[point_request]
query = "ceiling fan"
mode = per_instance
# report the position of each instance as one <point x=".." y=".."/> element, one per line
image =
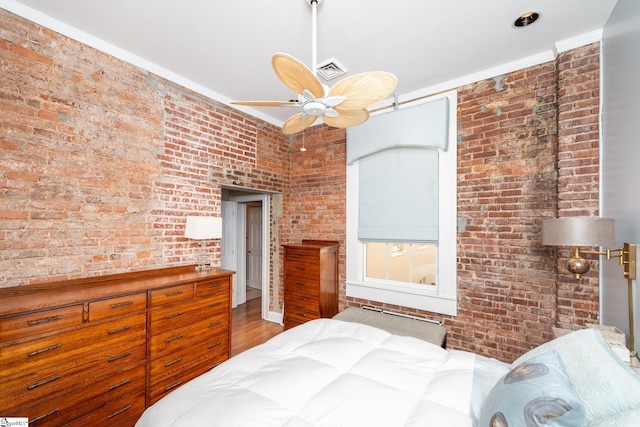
<point x="343" y="105"/>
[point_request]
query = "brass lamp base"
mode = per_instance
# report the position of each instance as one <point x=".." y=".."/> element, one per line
<point x="577" y="265"/>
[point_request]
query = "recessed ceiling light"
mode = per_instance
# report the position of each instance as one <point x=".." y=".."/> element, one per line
<point x="526" y="19"/>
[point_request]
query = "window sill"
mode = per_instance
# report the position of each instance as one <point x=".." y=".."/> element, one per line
<point x="421" y="299"/>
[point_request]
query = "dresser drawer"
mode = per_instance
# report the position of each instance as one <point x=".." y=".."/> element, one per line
<point x="305" y="285"/>
<point x="56" y="348"/>
<point x="309" y="256"/>
<point x="174" y="339"/>
<point x="124" y="411"/>
<point x="160" y="297"/>
<point x="178" y="316"/>
<point x="39" y="322"/>
<point x="166" y="385"/>
<point x="212" y="287"/>
<point x="302" y="270"/>
<point x="163" y="386"/>
<point x="302" y="310"/>
<point x="50" y="380"/>
<point x="218" y="302"/>
<point x="298" y="316"/>
<point x="307" y="301"/>
<point x="179" y="360"/>
<point x="292" y="323"/>
<point x="117" y="306"/>
<point x="82" y="401"/>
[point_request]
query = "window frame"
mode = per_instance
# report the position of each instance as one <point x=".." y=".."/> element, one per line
<point x="441" y="298"/>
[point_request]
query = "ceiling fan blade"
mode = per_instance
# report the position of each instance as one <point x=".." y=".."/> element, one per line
<point x="297" y="123"/>
<point x="295" y="75"/>
<point x="364" y="90"/>
<point x="267" y="103"/>
<point x="347" y="118"/>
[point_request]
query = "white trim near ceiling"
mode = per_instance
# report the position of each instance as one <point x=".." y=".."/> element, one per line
<point x="110" y="49"/>
<point x="541" y="58"/>
<point x="81" y="36"/>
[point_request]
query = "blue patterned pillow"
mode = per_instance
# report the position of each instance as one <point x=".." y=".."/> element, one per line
<point x="535" y="393"/>
<point x="600" y="379"/>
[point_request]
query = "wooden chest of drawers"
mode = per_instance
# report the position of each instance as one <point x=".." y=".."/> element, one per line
<point x="98" y="351"/>
<point x="189" y="329"/>
<point x="310" y="281"/>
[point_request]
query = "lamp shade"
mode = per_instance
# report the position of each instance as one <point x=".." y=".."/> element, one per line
<point x="203" y="227"/>
<point x="579" y="231"/>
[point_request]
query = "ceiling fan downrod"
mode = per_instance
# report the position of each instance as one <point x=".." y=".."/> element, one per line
<point x="314" y="42"/>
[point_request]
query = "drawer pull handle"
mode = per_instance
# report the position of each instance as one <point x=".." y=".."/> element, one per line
<point x="214" y="324"/>
<point x="120" y="356"/>
<point x="301" y="299"/>
<point x="36" y="419"/>
<point x="176" y="337"/>
<point x="215" y="304"/>
<point x="301" y="254"/>
<point x="301" y="268"/>
<point x="41" y="321"/>
<point x="300" y="283"/>
<point x="176" y="314"/>
<point x="174" y="385"/>
<point x="115" y="331"/>
<point x="121" y="304"/>
<point x="120" y="384"/>
<point x="42" y="350"/>
<point x="173" y="294"/>
<point x="173" y="362"/>
<point x="215" y="285"/>
<point x="302" y="315"/>
<point x="32" y="386"/>
<point x="126" y="408"/>
<point x="214" y="345"/>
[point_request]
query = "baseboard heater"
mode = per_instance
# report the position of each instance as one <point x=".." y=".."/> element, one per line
<point x="364" y="307"/>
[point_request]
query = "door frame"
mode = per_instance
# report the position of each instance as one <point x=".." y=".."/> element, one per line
<point x="230" y="250"/>
<point x="242" y="244"/>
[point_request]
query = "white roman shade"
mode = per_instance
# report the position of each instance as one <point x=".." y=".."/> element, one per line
<point x="397" y="155"/>
<point x="424" y="125"/>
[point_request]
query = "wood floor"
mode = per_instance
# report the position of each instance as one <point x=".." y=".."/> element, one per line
<point x="247" y="327"/>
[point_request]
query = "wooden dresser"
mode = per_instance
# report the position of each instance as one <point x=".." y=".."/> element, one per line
<point x="98" y="351"/>
<point x="310" y="281"/>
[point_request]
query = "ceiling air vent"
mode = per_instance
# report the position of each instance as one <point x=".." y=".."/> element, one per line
<point x="330" y="69"/>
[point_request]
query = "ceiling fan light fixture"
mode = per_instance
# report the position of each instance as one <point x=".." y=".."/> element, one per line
<point x="526" y="19"/>
<point x="314" y="108"/>
<point x="350" y="96"/>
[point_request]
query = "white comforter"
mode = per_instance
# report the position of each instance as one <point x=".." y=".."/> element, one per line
<point x="334" y="373"/>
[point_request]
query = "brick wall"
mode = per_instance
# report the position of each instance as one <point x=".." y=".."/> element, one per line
<point x="101" y="162"/>
<point x="578" y="175"/>
<point x="506" y="183"/>
<point x="316" y="203"/>
<point x="527" y="150"/>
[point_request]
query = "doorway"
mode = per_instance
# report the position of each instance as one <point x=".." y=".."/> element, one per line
<point x="254" y="249"/>
<point x="245" y="244"/>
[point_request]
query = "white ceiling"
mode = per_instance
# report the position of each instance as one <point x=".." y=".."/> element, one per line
<point x="223" y="48"/>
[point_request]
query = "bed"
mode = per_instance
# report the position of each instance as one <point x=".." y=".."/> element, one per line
<point x="330" y="372"/>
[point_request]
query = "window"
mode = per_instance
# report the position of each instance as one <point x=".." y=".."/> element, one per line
<point x="401" y="262"/>
<point x="409" y="260"/>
